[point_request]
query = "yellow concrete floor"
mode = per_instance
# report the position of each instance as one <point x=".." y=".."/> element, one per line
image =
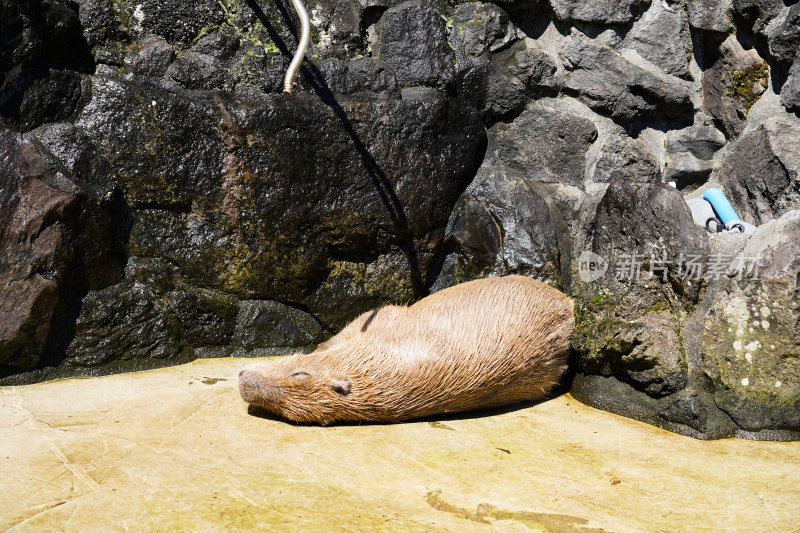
<point x="176" y="450"/>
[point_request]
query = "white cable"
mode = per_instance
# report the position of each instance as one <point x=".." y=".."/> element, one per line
<point x="302" y="46"/>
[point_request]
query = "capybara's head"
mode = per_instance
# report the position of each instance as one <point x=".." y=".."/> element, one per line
<point x="298" y="388"/>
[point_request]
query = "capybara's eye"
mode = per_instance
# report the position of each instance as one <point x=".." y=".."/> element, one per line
<point x="300" y="375"/>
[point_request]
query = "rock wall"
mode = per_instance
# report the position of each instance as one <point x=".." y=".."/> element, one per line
<point x="161" y="200"/>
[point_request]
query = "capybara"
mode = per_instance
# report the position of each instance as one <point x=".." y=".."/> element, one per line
<point x="483" y="343"/>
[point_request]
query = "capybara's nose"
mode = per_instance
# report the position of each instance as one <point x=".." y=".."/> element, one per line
<point x="248" y="385"/>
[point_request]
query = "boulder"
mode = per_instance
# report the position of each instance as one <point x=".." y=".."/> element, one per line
<point x="621" y="157"/>
<point x="784" y="39"/>
<point x="502" y="226"/>
<point x="57" y="238"/>
<point x="544" y="145"/>
<point x="175" y="21"/>
<point x="756" y="14"/>
<point x="630" y="315"/>
<point x="662" y="37"/>
<point x="750" y="349"/>
<point x="790" y="94"/>
<point x="761" y="176"/>
<point x="266" y="324"/>
<point x="214" y="190"/>
<point x="609" y="84"/>
<point x="153" y="58"/>
<point x="710" y="15"/>
<point x="337" y="25"/>
<point x="43" y="55"/>
<point x="735" y="81"/>
<point x="605" y="12"/>
<point x="484" y="28"/>
<point x="690" y="154"/>
<point x="495" y="92"/>
<point x="706" y="346"/>
<point x="413" y="40"/>
<point x="124" y="327"/>
<point x="536" y="69"/>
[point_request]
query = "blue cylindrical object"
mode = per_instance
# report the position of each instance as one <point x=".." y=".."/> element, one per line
<point x="721" y="205"/>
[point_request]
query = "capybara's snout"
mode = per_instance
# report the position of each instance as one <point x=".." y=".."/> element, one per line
<point x="249" y="386"/>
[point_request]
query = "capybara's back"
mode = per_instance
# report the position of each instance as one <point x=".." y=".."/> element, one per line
<point x="484" y="343"/>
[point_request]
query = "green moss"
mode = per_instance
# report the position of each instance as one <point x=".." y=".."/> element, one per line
<point x="234" y="270"/>
<point x="743" y="82"/>
<point x="661" y="305"/>
<point x="123" y="9"/>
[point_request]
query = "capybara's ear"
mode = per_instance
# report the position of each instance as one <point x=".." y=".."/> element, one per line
<point x="342" y="386"/>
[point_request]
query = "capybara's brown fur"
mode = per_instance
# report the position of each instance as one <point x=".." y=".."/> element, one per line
<point x="484" y="343"/>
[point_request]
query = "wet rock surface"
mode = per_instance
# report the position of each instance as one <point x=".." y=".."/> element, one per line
<point x="58" y="238"/>
<point x="414" y="42"/>
<point x="502" y="226"/>
<point x="162" y="200"/>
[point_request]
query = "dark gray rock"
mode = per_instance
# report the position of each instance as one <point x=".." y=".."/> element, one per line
<point x="42" y="33"/>
<point x="253" y="68"/>
<point x="266" y="324"/>
<point x="662" y="37"/>
<point x="621" y="157"/>
<point x="784" y="40"/>
<point x="545" y="145"/>
<point x="207" y="317"/>
<point x="220" y="44"/>
<point x="338" y="26"/>
<point x="493" y="91"/>
<point x="611" y="85"/>
<point x="27" y="306"/>
<point x="43" y="54"/>
<point x="629" y="324"/>
<point x="501" y="226"/>
<point x="710" y="15"/>
<point x="101" y="22"/>
<point x="761" y="176"/>
<point x="733" y="83"/>
<point x="198" y="71"/>
<point x="536" y="69"/>
<point x="363" y="78"/>
<point x="484" y="28"/>
<point x="352" y="287"/>
<point x="413" y="40"/>
<point x="153" y="58"/>
<point x="756" y="14"/>
<point x="602" y="12"/>
<point x="790" y="94"/>
<point x="263" y="198"/>
<point x="125" y="325"/>
<point x="690" y="154"/>
<point x="57" y="238"/>
<point x="174" y="20"/>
